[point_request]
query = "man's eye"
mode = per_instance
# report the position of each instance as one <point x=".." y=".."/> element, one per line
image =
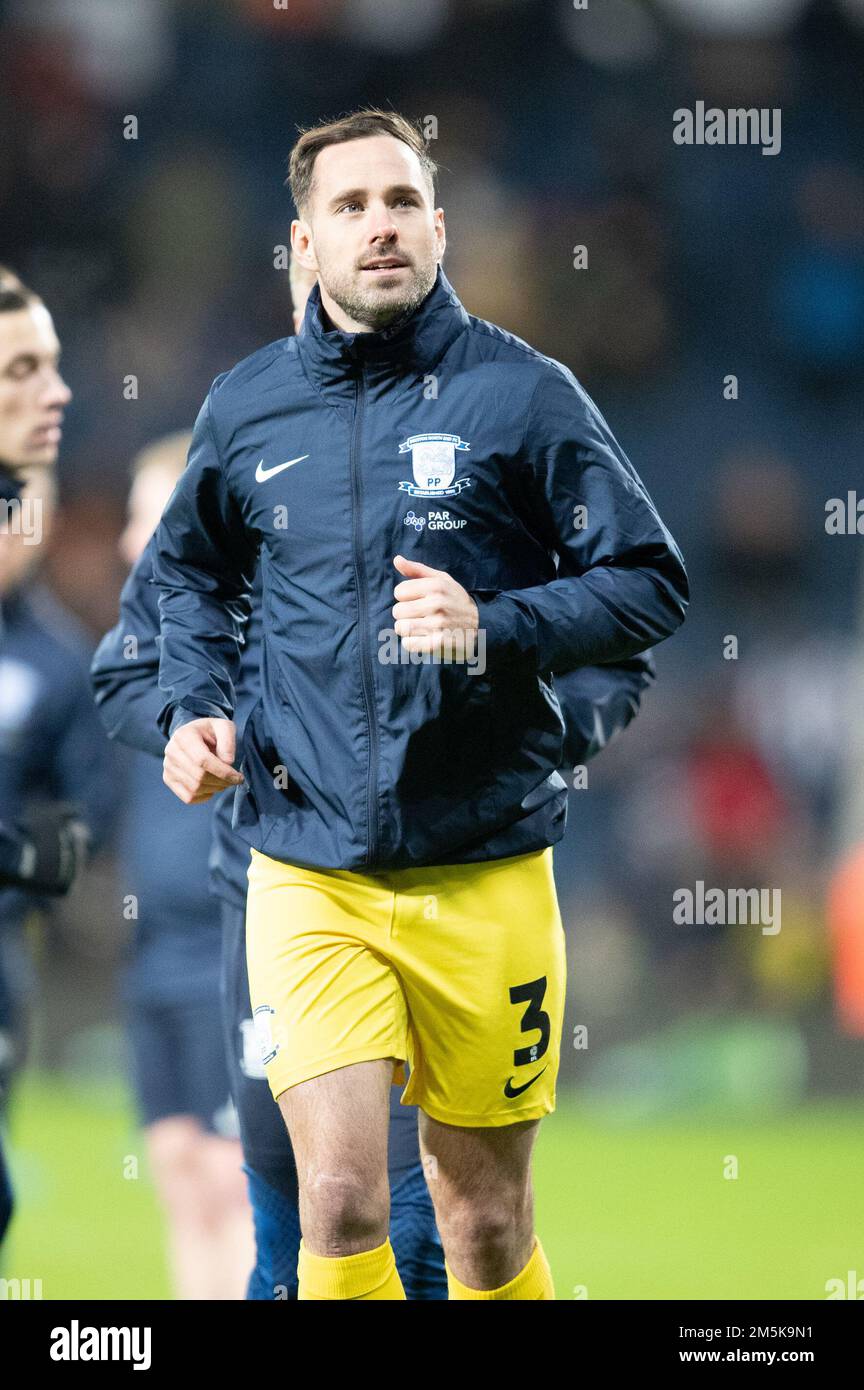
<point x="409" y="202"/>
<point x="347" y="207"/>
<point x="18" y="371"/>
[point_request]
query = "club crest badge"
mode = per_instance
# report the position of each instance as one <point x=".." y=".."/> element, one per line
<point x="433" y="463"/>
<point x="262" y="1022"/>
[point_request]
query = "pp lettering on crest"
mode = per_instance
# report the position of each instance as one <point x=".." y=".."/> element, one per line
<point x="433" y="463"/>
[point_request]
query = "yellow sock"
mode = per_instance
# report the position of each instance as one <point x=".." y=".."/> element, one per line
<point x="533" y="1282"/>
<point x="367" y="1275"/>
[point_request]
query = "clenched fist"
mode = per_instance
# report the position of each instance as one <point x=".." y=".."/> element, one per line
<point x="198" y="759"/>
<point x="433" y="612"/>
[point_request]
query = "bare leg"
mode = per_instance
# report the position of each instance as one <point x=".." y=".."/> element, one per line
<point x="232" y="1238"/>
<point x="200" y="1183"/>
<point x="338" y="1125"/>
<point x="480" y="1181"/>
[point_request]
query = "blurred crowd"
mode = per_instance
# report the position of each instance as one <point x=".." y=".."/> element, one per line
<point x="143" y="148"/>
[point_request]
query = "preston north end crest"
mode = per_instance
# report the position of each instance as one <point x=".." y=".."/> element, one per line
<point x="433" y="463"/>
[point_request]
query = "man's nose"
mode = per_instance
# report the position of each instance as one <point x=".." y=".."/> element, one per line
<point x="382" y="228"/>
<point x="57" y="392"/>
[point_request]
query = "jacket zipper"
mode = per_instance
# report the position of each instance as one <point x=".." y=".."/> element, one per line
<point x="365" y="660"/>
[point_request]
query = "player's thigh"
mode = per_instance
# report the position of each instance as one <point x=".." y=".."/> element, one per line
<point x="477" y="1164"/>
<point x="324" y="993"/>
<point x="485" y="981"/>
<point x="339" y="1124"/>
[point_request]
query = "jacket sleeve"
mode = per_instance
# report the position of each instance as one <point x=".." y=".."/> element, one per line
<point x="204" y="560"/>
<point x="84" y="769"/>
<point x="125" y="668"/>
<point x="621" y="585"/>
<point x="598" y="702"/>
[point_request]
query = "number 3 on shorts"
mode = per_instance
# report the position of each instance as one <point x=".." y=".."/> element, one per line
<point x="533" y="995"/>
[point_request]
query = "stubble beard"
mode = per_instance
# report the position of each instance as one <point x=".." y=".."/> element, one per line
<point x="375" y="306"/>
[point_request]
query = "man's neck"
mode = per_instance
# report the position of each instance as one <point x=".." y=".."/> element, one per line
<point x="334" y="317"/>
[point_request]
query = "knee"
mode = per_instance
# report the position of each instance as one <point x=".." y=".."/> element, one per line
<point x="174" y="1147"/>
<point x="344" y="1211"/>
<point x="477" y="1227"/>
<point x="491" y="1223"/>
<point x="225" y="1180"/>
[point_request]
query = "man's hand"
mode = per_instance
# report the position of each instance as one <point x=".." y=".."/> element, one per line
<point x="433" y="613"/>
<point x="198" y="759"/>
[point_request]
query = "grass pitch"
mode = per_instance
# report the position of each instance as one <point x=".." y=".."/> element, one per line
<point x="648" y="1211"/>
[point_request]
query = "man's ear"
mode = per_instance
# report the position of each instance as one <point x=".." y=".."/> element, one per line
<point x="302" y="245"/>
<point x="441" y="232"/>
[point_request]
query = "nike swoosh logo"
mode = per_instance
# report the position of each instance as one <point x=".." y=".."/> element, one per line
<point x="262" y="473"/>
<point x="511" y="1091"/>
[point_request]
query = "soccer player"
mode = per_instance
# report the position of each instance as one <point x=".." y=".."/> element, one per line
<point x="171" y="984"/>
<point x="596" y="701"/>
<point x="444" y="520"/>
<point x="47" y="763"/>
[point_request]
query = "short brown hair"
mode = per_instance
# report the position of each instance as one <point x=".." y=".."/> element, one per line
<point x="355" y="126"/>
<point x="14" y="294"/>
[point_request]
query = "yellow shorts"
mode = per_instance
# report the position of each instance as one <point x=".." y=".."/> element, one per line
<point x="458" y="969"/>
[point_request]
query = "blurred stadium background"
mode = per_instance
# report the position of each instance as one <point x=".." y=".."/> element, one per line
<point x="156" y="256"/>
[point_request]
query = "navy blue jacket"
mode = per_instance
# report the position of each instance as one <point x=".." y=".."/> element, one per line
<point x="597" y="702"/>
<point x="52" y="748"/>
<point x="10" y="484"/>
<point x="355" y="756"/>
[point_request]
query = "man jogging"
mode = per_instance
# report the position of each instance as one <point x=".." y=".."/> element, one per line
<point x="596" y="702"/>
<point x="444" y="519"/>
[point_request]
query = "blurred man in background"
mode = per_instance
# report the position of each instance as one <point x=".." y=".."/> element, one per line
<point x="52" y="760"/>
<point x="42" y="857"/>
<point x="33" y="394"/>
<point x="171" y="985"/>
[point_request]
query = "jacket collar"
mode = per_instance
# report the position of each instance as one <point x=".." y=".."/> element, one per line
<point x="10" y="485"/>
<point x="333" y="359"/>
